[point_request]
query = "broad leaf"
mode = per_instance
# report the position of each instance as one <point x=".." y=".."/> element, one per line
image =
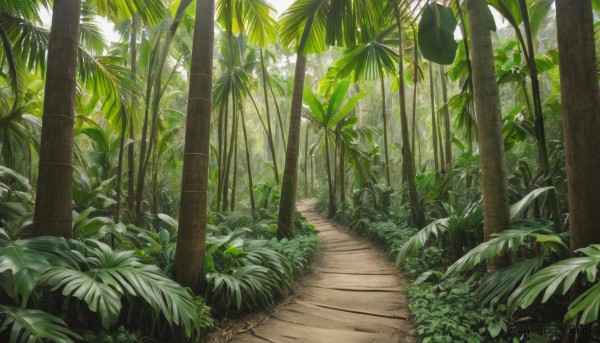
<point x="436" y="34"/>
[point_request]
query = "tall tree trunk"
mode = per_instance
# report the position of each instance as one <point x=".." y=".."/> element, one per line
<point x="289" y="186"/>
<point x="53" y="214"/>
<point x="235" y="161"/>
<point x="119" y="185"/>
<point x="489" y="125"/>
<point x="154" y="184"/>
<point x="581" y="118"/>
<point x="194" y="187"/>
<point x="539" y="116"/>
<point x="134" y="102"/>
<point x="408" y="162"/>
<point x="220" y="154"/>
<point x="434" y="134"/>
<point x="342" y="174"/>
<point x="439" y="128"/>
<point x="248" y="165"/>
<point x="414" y="136"/>
<point x="446" y="113"/>
<point x="306" y="162"/>
<point x="229" y="157"/>
<point x="268" y="111"/>
<point x="331" y="207"/>
<point x="385" y="131"/>
<point x="278" y="115"/>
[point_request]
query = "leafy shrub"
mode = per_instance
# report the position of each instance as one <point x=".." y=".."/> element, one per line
<point x="243" y="273"/>
<point x="120" y="336"/>
<point x="448" y="312"/>
<point x="96" y="281"/>
<point x="236" y="220"/>
<point x="297" y="250"/>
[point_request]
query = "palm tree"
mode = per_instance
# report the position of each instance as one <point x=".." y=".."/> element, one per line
<point x="307" y="26"/>
<point x="194" y="197"/>
<point x="53" y="213"/>
<point x="407" y="159"/>
<point x="372" y="60"/>
<point x="489" y="125"/>
<point x="327" y="116"/>
<point x="581" y="106"/>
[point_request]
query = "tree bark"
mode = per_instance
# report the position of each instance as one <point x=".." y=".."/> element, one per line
<point x="248" y="165"/>
<point x="53" y="210"/>
<point x="446" y="113"/>
<point x="581" y="118"/>
<point x="131" y="146"/>
<point x="331" y="208"/>
<point x="433" y="121"/>
<point x="489" y="126"/>
<point x="268" y="112"/>
<point x="289" y="185"/>
<point x="388" y="178"/>
<point x="306" y="162"/>
<point x="189" y="259"/>
<point x="408" y="162"/>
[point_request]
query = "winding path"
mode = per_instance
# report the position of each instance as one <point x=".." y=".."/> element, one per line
<point x="354" y="296"/>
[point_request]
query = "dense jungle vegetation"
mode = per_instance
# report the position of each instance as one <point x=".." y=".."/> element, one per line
<point x="152" y="153"/>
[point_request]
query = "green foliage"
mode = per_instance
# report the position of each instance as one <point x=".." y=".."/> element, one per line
<point x="448" y="312"/>
<point x="34" y="326"/>
<point x="436" y="34"/>
<point x="96" y="280"/>
<point x="243" y="273"/>
<point x="559" y="278"/>
<point x="122" y="335"/>
<point x="297" y="250"/>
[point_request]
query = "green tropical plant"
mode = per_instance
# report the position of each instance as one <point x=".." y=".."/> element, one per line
<point x="98" y="280"/>
<point x="327" y="115"/>
<point x="559" y="278"/>
<point x="243" y="273"/>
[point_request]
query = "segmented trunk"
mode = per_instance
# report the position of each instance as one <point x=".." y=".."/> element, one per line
<point x="194" y="187"/>
<point x="581" y="118"/>
<point x="53" y="211"/>
<point x="489" y="125"/>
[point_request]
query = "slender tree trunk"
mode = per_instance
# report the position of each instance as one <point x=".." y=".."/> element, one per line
<point x="312" y="175"/>
<point x="268" y="111"/>
<point x="385" y="131"/>
<point x="235" y="162"/>
<point x="446" y="113"/>
<point x="134" y="102"/>
<point x="439" y="129"/>
<point x="408" y="162"/>
<point x="220" y="154"/>
<point x="539" y="116"/>
<point x="414" y="136"/>
<point x="489" y="125"/>
<point x="53" y="214"/>
<point x="289" y="186"/>
<point x="154" y="184"/>
<point x="119" y="185"/>
<point x="306" y="162"/>
<point x="342" y="177"/>
<point x="434" y="135"/>
<point x="194" y="193"/>
<point x="278" y="115"/>
<point x="228" y="160"/>
<point x="331" y="211"/>
<point x="581" y="118"/>
<point x="248" y="165"/>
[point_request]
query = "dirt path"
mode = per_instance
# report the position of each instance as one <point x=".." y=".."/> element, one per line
<point x="354" y="296"/>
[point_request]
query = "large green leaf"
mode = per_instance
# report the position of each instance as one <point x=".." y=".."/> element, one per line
<point x="30" y="326"/>
<point x="559" y="278"/>
<point x="436" y="34"/>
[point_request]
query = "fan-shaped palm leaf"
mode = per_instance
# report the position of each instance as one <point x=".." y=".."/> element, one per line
<point x="28" y="326"/>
